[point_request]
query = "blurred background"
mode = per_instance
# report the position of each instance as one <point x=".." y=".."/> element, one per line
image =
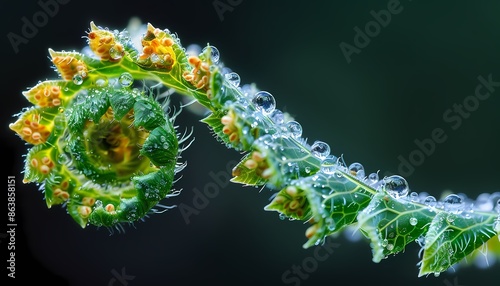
<point x="369" y="94"/>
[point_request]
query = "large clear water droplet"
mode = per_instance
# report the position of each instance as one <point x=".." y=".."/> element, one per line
<point x="115" y="54"/>
<point x="320" y="149"/>
<point x="101" y="82"/>
<point x="264" y="101"/>
<point x="214" y="53"/>
<point x="126" y="79"/>
<point x="233" y="78"/>
<point x="453" y="203"/>
<point x="77" y="79"/>
<point x="413" y="221"/>
<point x="357" y="170"/>
<point x="396" y="186"/>
<point x="372" y="178"/>
<point x="294" y="128"/>
<point x="384" y="243"/>
<point x="430" y="200"/>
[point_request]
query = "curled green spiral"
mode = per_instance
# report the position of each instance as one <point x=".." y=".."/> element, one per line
<point x="106" y="150"/>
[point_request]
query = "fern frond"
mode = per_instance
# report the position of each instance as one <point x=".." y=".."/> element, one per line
<point x="106" y="147"/>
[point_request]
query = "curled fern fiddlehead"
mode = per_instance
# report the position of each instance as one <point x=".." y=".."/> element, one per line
<point x="109" y="152"/>
<point x="103" y="148"/>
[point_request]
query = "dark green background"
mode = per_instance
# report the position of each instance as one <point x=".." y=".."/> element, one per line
<point x="370" y="110"/>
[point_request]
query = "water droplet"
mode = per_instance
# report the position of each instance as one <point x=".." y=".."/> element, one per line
<point x="373" y="178"/>
<point x="396" y="186"/>
<point x="77" y="79"/>
<point x="101" y="82"/>
<point x="320" y="149"/>
<point x="126" y="79"/>
<point x="329" y="164"/>
<point x="155" y="58"/>
<point x="453" y="203"/>
<point x="384" y="242"/>
<point x="413" y="221"/>
<point x="115" y="54"/>
<point x="98" y="204"/>
<point x="356" y="169"/>
<point x="264" y="101"/>
<point x="414" y="197"/>
<point x="214" y="53"/>
<point x="233" y="78"/>
<point x="278" y="117"/>
<point x="295" y="129"/>
<point x="483" y="202"/>
<point x="390" y="246"/>
<point x="430" y="200"/>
